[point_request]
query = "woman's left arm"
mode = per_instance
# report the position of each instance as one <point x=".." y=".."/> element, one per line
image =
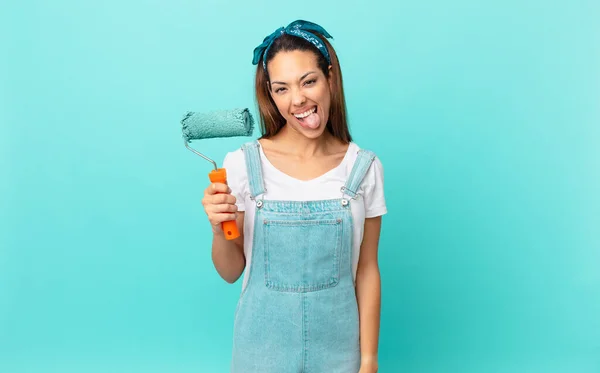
<point x="368" y="293"/>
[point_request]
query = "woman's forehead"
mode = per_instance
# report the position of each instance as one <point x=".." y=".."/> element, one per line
<point x="292" y="64"/>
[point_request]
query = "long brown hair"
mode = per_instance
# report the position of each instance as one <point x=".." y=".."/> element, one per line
<point x="271" y="121"/>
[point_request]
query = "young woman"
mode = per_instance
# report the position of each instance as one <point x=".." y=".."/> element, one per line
<point x="308" y="201"/>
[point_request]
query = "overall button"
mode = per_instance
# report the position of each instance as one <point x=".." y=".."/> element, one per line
<point x="344" y="202"/>
<point x="259" y="204"/>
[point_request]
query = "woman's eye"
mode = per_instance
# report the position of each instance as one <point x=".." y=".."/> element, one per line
<point x="308" y="82"/>
<point x="279" y="90"/>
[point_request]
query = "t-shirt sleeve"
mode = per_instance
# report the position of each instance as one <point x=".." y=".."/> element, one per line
<point x="235" y="167"/>
<point x="374" y="196"/>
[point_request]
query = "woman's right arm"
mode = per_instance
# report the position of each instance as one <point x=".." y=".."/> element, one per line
<point x="227" y="255"/>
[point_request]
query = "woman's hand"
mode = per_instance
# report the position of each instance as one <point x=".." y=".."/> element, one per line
<point x="219" y="205"/>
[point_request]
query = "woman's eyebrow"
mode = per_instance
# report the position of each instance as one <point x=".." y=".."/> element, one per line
<point x="302" y="77"/>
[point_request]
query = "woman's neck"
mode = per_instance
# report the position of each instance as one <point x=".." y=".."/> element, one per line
<point x="301" y="146"/>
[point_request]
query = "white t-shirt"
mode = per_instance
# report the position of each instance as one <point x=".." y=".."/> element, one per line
<point x="280" y="186"/>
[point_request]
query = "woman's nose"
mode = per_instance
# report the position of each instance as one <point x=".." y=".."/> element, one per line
<point x="298" y="98"/>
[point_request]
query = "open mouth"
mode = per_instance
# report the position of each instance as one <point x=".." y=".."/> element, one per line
<point x="306" y="113"/>
<point x="309" y="118"/>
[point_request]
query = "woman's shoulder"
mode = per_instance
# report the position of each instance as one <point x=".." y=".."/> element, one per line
<point x="372" y="185"/>
<point x="235" y="164"/>
<point x="374" y="173"/>
<point x="237" y="157"/>
<point x="355" y="150"/>
<point x="234" y="158"/>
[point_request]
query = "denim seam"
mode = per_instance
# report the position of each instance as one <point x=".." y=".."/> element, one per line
<point x="305" y="327"/>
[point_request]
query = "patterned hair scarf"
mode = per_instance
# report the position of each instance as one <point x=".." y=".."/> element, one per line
<point x="299" y="28"/>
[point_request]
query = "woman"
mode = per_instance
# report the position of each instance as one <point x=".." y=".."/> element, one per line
<point x="308" y="201"/>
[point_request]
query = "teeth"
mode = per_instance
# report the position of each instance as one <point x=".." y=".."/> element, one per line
<point x="306" y="113"/>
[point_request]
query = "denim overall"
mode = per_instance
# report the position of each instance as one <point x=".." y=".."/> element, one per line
<point x="298" y="311"/>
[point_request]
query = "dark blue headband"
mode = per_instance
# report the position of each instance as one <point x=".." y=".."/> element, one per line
<point x="299" y="28"/>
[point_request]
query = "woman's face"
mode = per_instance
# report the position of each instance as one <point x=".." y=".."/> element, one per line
<point x="301" y="91"/>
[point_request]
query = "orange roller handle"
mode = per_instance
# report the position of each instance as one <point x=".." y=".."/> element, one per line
<point x="230" y="228"/>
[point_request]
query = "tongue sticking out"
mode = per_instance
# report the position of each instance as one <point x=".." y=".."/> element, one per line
<point x="312" y="121"/>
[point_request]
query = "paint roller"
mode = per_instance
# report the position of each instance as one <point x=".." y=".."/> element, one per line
<point x="215" y="124"/>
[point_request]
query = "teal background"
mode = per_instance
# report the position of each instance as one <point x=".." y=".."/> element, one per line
<point x="485" y="115"/>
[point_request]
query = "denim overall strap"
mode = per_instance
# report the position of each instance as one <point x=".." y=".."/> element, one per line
<point x="254" y="168"/>
<point x="359" y="170"/>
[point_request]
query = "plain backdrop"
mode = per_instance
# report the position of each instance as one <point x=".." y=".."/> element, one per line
<point x="485" y="115"/>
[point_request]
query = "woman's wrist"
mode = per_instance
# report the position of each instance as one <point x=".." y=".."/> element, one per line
<point x="369" y="361"/>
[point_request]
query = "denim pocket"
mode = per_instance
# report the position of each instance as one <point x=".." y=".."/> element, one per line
<point x="302" y="255"/>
